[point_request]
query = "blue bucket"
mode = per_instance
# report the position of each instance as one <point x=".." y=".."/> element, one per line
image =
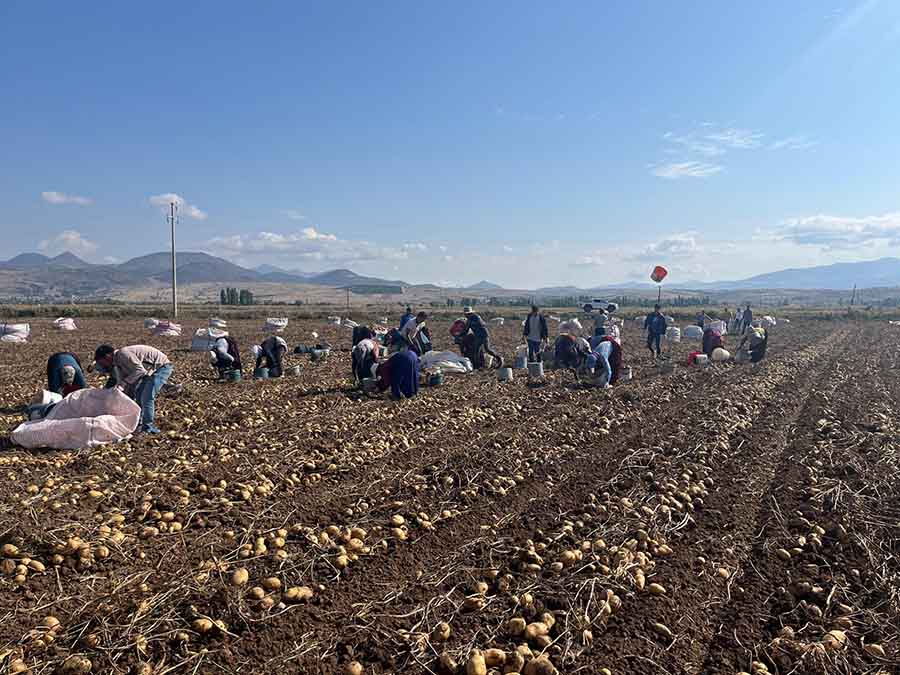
<point x="261" y="373"/>
<point x="436" y="379"/>
<point x="232" y="376"/>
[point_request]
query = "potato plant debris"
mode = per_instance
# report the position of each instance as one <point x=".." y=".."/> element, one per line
<point x="726" y="519"/>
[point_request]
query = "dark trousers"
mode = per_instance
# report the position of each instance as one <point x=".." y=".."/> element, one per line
<point x="534" y="350"/>
<point x="653" y="342"/>
<point x="483" y="342"/>
<point x="273" y="360"/>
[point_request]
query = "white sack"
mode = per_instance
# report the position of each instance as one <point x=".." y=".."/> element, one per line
<point x="499" y="320"/>
<point x="692" y="333"/>
<point x="83" y="419"/>
<point x="349" y="323"/>
<point x="14" y="332"/>
<point x="65" y="323"/>
<point x="572" y="327"/>
<point x="275" y="324"/>
<point x="205" y="338"/>
<point x="448" y="362"/>
<point x="167" y="329"/>
<point x="218" y="323"/>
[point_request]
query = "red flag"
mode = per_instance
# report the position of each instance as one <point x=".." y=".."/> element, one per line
<point x="659" y="273"/>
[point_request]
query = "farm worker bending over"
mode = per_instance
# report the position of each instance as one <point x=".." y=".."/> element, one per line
<point x="400" y="373"/>
<point x="605" y="362"/>
<point x="272" y="351"/>
<point x="712" y="339"/>
<point x="225" y="355"/>
<point x="364" y="356"/>
<point x="655" y="325"/>
<point x="415" y="333"/>
<point x="141" y="371"/>
<point x="758" y="339"/>
<point x="570" y="351"/>
<point x="535" y="333"/>
<point x="482" y="339"/>
<point x="64" y="374"/>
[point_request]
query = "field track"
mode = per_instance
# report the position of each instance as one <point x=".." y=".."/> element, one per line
<point x="706" y="521"/>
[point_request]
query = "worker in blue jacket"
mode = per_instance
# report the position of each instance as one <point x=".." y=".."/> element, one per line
<point x="655" y="325"/>
<point x="404" y="370"/>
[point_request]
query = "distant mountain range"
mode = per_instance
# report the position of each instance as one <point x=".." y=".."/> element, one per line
<point x="38" y="276"/>
<point x="484" y="286"/>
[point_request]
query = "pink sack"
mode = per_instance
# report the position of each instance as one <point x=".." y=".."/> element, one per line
<point x="83" y="419"/>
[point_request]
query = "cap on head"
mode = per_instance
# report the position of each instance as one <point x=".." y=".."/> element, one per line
<point x="467" y="310"/>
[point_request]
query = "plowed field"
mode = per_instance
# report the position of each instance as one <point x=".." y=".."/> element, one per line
<point x="720" y="520"/>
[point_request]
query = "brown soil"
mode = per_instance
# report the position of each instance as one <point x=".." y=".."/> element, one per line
<point x="764" y="502"/>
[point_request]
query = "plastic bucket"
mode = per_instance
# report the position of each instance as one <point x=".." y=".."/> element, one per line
<point x="318" y="355"/>
<point x="504" y="374"/>
<point x="435" y="379"/>
<point x="232" y="376"/>
<point x="261" y="373"/>
<point x="520" y="362"/>
<point x="536" y="370"/>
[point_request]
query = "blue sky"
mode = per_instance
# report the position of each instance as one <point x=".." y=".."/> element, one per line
<point x="529" y="143"/>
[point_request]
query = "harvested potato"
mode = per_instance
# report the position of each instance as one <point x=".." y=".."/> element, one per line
<point x="476" y="664"/>
<point x="240" y="577"/>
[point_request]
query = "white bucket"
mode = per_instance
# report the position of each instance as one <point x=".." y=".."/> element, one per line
<point x="536" y="370"/>
<point x="504" y="374"/>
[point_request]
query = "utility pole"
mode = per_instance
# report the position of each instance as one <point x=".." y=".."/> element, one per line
<point x="853" y="297"/>
<point x="348" y="301"/>
<point x="173" y="218"/>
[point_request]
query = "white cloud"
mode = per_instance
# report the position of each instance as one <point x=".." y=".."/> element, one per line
<point x="190" y="210"/>
<point x="675" y="246"/>
<point x="415" y="246"/>
<point x="793" y="143"/>
<point x="740" y="139"/>
<point x="838" y="232"/>
<point x="63" y="198"/>
<point x="306" y="244"/>
<point x="692" y="144"/>
<point x="508" y="249"/>
<point x="675" y="170"/>
<point x="292" y="214"/>
<point x="68" y="240"/>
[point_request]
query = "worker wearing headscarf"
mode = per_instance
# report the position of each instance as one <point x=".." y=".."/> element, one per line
<point x="64" y="374"/>
<point x="271" y="353"/>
